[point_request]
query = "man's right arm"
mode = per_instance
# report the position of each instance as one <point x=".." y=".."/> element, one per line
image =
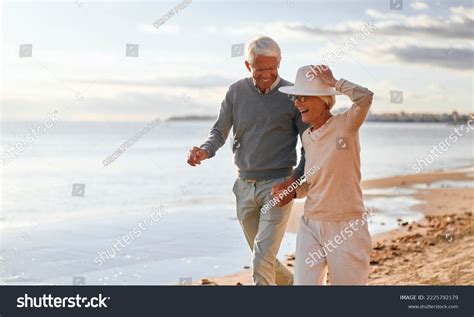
<point x="221" y="128"/>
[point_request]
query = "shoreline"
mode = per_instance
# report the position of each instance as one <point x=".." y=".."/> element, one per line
<point x="400" y="255"/>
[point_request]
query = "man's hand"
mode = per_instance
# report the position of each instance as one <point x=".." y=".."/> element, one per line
<point x="278" y="189"/>
<point x="196" y="156"/>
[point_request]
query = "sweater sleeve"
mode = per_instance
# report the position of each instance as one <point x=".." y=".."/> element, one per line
<point x="221" y="128"/>
<point x="361" y="98"/>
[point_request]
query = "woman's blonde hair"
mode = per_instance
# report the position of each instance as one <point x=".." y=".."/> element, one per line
<point x="330" y="101"/>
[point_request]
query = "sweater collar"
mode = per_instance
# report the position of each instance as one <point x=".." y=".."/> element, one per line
<point x="275" y="83"/>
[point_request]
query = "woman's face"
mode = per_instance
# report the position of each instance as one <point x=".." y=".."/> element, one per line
<point x="311" y="108"/>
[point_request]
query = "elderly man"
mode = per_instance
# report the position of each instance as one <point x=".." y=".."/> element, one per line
<point x="265" y="127"/>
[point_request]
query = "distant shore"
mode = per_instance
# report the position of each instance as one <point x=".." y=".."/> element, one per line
<point x="436" y="250"/>
<point x="450" y="118"/>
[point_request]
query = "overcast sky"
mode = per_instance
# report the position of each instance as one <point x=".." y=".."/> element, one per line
<point x="79" y="64"/>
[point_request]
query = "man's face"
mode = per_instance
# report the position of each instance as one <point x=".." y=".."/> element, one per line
<point x="264" y="70"/>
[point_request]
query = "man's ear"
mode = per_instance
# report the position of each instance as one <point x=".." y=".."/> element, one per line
<point x="247" y="64"/>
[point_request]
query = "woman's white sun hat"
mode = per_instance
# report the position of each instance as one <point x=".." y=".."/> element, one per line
<point x="308" y="84"/>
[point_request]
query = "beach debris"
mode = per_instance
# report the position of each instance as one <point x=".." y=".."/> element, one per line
<point x="449" y="237"/>
<point x="375" y="271"/>
<point x="290" y="257"/>
<point x="379" y="246"/>
<point x="289" y="264"/>
<point x="405" y="223"/>
<point x="246" y="267"/>
<point x="205" y="281"/>
<point x="238" y="284"/>
<point x="389" y="254"/>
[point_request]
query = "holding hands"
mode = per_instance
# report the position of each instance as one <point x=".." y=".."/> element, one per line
<point x="279" y="189"/>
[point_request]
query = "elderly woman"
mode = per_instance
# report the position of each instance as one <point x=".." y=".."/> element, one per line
<point x="333" y="234"/>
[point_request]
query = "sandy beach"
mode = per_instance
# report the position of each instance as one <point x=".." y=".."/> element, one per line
<point x="437" y="250"/>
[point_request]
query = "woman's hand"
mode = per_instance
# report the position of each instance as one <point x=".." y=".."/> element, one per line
<point x="282" y="199"/>
<point x="325" y="74"/>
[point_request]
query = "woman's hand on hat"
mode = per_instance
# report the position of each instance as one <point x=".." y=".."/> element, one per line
<point x="325" y="74"/>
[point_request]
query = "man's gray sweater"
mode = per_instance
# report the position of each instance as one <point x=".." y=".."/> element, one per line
<point x="265" y="130"/>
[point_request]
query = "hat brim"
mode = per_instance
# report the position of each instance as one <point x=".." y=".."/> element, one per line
<point x="292" y="90"/>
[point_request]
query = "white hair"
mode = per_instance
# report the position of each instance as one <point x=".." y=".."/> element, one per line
<point x="263" y="45"/>
<point x="330" y="101"/>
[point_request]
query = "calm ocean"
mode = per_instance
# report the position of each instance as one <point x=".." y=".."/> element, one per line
<point x="49" y="236"/>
